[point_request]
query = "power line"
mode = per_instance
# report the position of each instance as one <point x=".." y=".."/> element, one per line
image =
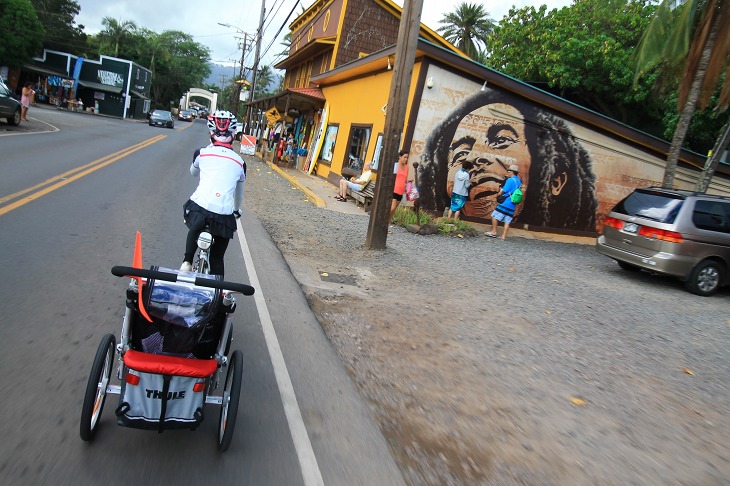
<point x="281" y="28"/>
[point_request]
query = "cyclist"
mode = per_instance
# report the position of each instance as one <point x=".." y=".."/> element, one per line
<point x="219" y="195"/>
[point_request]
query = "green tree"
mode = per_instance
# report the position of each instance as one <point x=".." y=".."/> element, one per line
<point x="693" y="34"/>
<point x="115" y="31"/>
<point x="186" y="66"/>
<point x="61" y="32"/>
<point x="264" y="78"/>
<point x="22" y="33"/>
<point x="150" y="48"/>
<point x="582" y="53"/>
<point x="467" y="27"/>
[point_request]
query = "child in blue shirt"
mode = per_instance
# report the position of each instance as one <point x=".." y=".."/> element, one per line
<point x="460" y="192"/>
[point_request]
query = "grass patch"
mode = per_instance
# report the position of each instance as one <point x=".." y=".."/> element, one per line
<point x="450" y="225"/>
<point x="406" y="216"/>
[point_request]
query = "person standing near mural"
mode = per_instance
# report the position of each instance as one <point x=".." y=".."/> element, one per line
<point x="25" y="98"/>
<point x="460" y="189"/>
<point x="505" y="210"/>
<point x="494" y="131"/>
<point x="401" y="175"/>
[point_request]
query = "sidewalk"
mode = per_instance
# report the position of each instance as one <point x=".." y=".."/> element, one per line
<point x="321" y="192"/>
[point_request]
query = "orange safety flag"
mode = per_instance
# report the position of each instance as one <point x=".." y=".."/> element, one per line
<point x="137" y="263"/>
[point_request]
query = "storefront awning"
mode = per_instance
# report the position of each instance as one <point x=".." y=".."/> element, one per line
<point x="100" y="87"/>
<point x="138" y="94"/>
<point x="46" y="71"/>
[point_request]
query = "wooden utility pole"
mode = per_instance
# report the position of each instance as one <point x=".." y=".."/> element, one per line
<point x="240" y="75"/>
<point x="259" y="36"/>
<point x="405" y="56"/>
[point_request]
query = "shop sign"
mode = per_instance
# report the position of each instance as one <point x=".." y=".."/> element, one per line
<point x="110" y="78"/>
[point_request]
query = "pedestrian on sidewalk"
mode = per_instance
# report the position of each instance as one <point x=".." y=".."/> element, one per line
<point x="505" y="209"/>
<point x="401" y="175"/>
<point x="25" y="97"/>
<point x="460" y="191"/>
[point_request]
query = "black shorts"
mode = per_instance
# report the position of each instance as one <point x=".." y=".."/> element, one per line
<point x="397" y="197"/>
<point x="220" y="224"/>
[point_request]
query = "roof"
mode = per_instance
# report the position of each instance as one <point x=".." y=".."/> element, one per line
<point x="445" y="58"/>
<point x="300" y="99"/>
<point x="313" y="92"/>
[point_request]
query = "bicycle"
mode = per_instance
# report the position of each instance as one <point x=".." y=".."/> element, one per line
<point x="201" y="259"/>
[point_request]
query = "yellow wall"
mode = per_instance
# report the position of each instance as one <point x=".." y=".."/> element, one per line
<point x="360" y="101"/>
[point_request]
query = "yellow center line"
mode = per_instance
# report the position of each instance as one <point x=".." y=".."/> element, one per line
<point x="72" y="175"/>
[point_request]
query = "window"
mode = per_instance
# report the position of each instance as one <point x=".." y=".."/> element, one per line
<point x="357" y="147"/>
<point x="328" y="146"/>
<point x="712" y="216"/>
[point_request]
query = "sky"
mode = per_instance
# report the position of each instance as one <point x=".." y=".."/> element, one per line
<point x="201" y="19"/>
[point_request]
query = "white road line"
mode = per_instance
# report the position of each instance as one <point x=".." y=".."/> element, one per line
<point x="52" y="129"/>
<point x="307" y="460"/>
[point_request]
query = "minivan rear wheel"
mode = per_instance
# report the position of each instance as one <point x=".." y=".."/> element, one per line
<point x="705" y="278"/>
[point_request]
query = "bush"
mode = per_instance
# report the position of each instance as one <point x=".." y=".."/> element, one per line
<point x="405" y="217"/>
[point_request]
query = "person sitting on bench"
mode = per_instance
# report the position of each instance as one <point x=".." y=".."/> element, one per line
<point x="356" y="184"/>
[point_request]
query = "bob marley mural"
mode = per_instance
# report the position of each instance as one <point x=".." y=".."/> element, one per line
<point x="494" y="130"/>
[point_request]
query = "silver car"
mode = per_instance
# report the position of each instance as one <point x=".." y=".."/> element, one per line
<point x="678" y="233"/>
<point x="9" y="107"/>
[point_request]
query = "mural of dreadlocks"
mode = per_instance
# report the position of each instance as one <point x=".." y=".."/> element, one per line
<point x="494" y="132"/>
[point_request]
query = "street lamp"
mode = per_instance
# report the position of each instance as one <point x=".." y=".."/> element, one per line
<point x="240" y="79"/>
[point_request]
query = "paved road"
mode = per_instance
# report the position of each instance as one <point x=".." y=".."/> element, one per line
<point x="74" y="190"/>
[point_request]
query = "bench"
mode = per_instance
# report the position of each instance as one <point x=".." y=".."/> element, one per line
<point x="364" y="197"/>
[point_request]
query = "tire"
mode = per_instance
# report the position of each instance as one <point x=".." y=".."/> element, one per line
<point x="628" y="266"/>
<point x="99" y="377"/>
<point x="705" y="278"/>
<point x="200" y="265"/>
<point x="231" y="397"/>
<point x="15" y="119"/>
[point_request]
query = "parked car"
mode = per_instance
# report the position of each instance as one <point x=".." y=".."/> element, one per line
<point x="162" y="118"/>
<point x="10" y="107"/>
<point x="671" y="232"/>
<point x="186" y="115"/>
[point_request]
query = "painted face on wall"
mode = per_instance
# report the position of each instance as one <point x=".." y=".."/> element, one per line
<point x="492" y="138"/>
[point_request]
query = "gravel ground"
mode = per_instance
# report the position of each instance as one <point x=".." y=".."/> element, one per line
<point x="513" y="362"/>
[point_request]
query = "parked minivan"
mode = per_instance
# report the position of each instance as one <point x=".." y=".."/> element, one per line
<point x="672" y="232"/>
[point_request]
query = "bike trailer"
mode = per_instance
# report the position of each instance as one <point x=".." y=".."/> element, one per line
<point x="167" y="368"/>
<point x="174" y="348"/>
<point x="163" y="392"/>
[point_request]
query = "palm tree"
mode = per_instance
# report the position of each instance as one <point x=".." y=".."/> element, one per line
<point x="694" y="35"/>
<point x="263" y="79"/>
<point x="467" y="28"/>
<point x="116" y="30"/>
<point x="151" y="46"/>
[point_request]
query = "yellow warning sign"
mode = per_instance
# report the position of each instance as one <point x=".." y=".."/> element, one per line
<point x="273" y="115"/>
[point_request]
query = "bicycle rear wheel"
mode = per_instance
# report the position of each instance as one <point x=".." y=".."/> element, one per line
<point x="200" y="265"/>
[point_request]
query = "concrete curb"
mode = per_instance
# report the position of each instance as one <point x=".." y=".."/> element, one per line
<point x="295" y="182"/>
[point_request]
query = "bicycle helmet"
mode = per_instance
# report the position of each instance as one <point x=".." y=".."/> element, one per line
<point x="222" y="122"/>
